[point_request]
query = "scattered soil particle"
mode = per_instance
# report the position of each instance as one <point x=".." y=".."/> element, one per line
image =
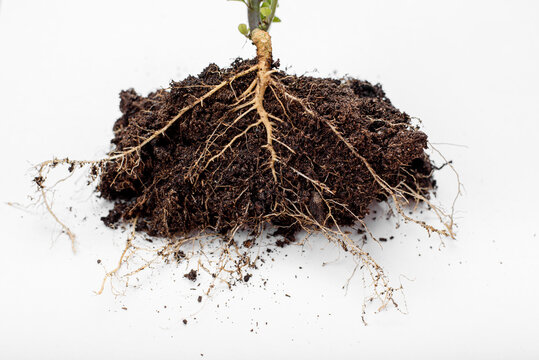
<point x="247" y="277"/>
<point x="191" y="275"/>
<point x="248" y="243"/>
<point x="184" y="321"/>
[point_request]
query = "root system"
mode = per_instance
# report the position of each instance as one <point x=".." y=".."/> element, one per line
<point x="249" y="146"/>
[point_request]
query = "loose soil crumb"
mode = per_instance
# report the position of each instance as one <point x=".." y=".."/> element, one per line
<point x="191" y="275"/>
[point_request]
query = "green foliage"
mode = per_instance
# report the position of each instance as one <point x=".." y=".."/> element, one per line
<point x="265" y="12"/>
<point x="261" y="14"/>
<point x="243" y="29"/>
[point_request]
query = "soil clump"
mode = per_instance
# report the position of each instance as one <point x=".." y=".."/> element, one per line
<point x="210" y="170"/>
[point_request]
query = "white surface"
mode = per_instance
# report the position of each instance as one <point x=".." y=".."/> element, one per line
<point x="468" y="69"/>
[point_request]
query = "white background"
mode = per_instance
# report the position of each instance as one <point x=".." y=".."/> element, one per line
<point x="468" y="69"/>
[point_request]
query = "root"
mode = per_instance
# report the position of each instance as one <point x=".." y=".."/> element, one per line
<point x="382" y="291"/>
<point x="198" y="101"/>
<point x="44" y="167"/>
<point x="42" y="170"/>
<point x="262" y="40"/>
<point x="110" y="274"/>
<point x="67" y="230"/>
<point x="398" y="195"/>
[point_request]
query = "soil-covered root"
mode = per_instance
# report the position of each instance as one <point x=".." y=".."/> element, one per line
<point x="250" y="146"/>
<point x="339" y="146"/>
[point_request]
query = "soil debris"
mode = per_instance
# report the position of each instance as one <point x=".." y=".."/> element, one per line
<point x="191" y="275"/>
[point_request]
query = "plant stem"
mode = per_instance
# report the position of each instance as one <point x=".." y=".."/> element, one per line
<point x="269" y="19"/>
<point x="253" y="14"/>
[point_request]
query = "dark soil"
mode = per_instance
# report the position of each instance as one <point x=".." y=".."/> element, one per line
<point x="191" y="275"/>
<point x="170" y="196"/>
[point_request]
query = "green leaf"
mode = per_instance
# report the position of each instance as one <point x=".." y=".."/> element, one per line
<point x="265" y="11"/>
<point x="242" y="28"/>
<point x="276" y="19"/>
<point x="265" y="4"/>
